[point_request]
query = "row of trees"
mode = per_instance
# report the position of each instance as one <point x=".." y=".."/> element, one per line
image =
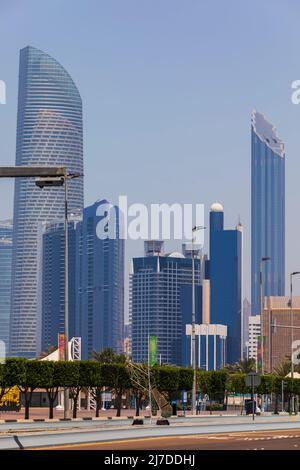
<point x="97" y="376"/>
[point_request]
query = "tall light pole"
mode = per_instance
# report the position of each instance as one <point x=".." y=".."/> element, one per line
<point x="295" y="273"/>
<point x="193" y="339"/>
<point x="52" y="182"/>
<point x="263" y="259"/>
<point x="50" y="176"/>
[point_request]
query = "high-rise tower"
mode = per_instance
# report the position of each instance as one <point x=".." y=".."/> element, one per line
<point x="225" y="273"/>
<point x="49" y="132"/>
<point x="267" y="210"/>
<point x="100" y="306"/>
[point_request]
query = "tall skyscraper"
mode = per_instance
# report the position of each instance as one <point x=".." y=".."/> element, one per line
<point x="159" y="302"/>
<point x="5" y="279"/>
<point x="225" y="273"/>
<point x="101" y="285"/>
<point x="49" y="132"/>
<point x="267" y="210"/>
<point x="53" y="280"/>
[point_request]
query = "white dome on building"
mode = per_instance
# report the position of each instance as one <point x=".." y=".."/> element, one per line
<point x="217" y="207"/>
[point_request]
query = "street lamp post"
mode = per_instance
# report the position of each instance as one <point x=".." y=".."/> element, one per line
<point x="52" y="182"/>
<point x="66" y="390"/>
<point x="193" y="339"/>
<point x="50" y="176"/>
<point x="295" y="273"/>
<point x="262" y="260"/>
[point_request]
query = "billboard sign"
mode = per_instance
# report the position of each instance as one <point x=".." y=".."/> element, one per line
<point x="152" y="350"/>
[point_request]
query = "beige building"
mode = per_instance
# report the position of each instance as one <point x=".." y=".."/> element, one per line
<point x="277" y="321"/>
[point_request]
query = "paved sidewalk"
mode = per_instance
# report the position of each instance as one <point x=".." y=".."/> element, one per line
<point x="41" y="413"/>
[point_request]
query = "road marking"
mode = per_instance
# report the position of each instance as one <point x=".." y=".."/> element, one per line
<point x="221" y="436"/>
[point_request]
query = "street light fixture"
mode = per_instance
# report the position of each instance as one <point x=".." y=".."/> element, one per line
<point x="48" y="176"/>
<point x="46" y="182"/>
<point x="263" y="259"/>
<point x="193" y="339"/>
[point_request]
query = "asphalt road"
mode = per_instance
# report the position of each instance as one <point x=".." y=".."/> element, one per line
<point x="199" y="433"/>
<point x="263" y="440"/>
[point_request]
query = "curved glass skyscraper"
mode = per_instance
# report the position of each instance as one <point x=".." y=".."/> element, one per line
<point x="267" y="210"/>
<point x="49" y="132"/>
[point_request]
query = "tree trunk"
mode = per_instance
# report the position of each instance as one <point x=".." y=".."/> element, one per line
<point x="75" y="402"/>
<point x="226" y="400"/>
<point x="51" y="398"/>
<point x="28" y="396"/>
<point x="137" y="404"/>
<point x="96" y="393"/>
<point x="276" y="404"/>
<point x="97" y="408"/>
<point x="26" y="410"/>
<point x="118" y="403"/>
<point x="51" y="409"/>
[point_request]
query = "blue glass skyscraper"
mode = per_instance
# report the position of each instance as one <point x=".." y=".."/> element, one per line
<point x="100" y="313"/>
<point x="53" y="281"/>
<point x="5" y="279"/>
<point x="267" y="210"/>
<point x="225" y="273"/>
<point x="159" y="288"/>
<point x="49" y="132"/>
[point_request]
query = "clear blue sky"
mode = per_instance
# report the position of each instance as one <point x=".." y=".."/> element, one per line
<point x="168" y="87"/>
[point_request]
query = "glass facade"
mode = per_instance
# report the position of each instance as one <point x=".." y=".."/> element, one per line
<point x="53" y="286"/>
<point x="156" y="303"/>
<point x="100" y="307"/>
<point x="49" y="132"/>
<point x="5" y="279"/>
<point x="225" y="271"/>
<point x="267" y="210"/>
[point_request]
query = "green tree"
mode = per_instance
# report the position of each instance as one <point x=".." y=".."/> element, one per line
<point x="89" y="376"/>
<point x="53" y="386"/>
<point x="95" y="383"/>
<point x="68" y="374"/>
<point x="203" y="381"/>
<point x="185" y="379"/>
<point x="11" y="374"/>
<point x="266" y="386"/>
<point x="109" y="356"/>
<point x="244" y="366"/>
<point x="236" y="384"/>
<point x="36" y="375"/>
<point x="283" y="368"/>
<point x="217" y="386"/>
<point x="117" y="378"/>
<point x="166" y="379"/>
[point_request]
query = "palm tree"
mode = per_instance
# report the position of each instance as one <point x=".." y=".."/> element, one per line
<point x="244" y="366"/>
<point x="108" y="356"/>
<point x="283" y="368"/>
